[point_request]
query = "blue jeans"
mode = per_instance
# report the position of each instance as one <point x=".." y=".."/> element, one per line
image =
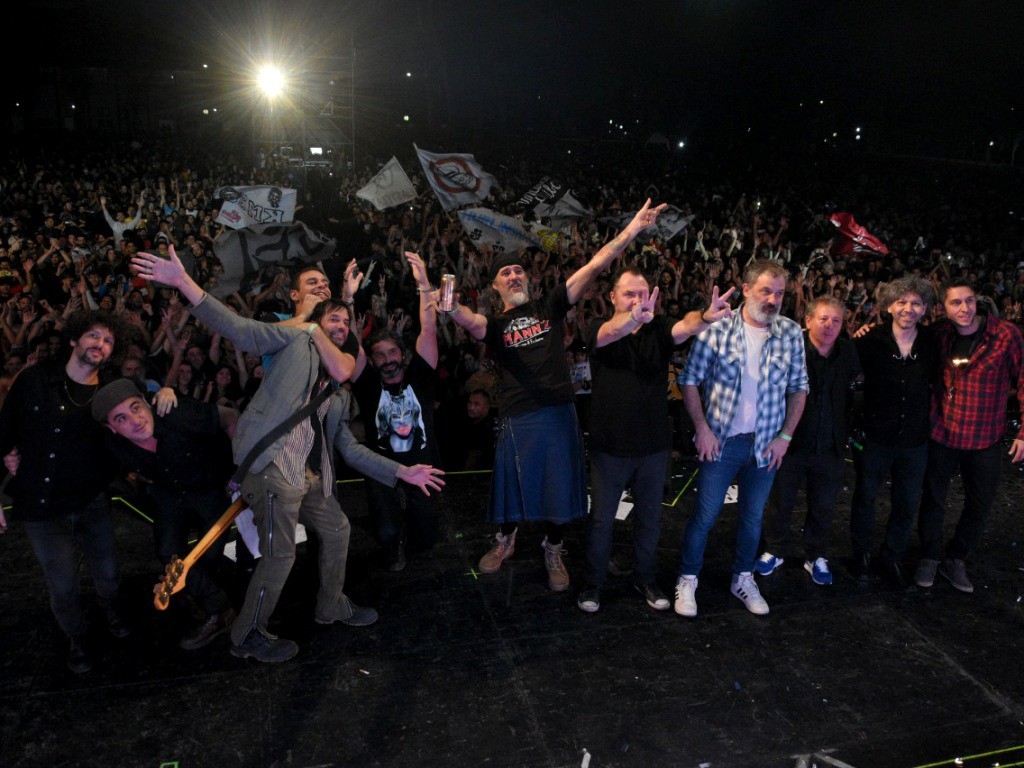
<point x="57" y="542"/>
<point x="609" y="475"/>
<point x="736" y="462"/>
<point x="906" y="468"/>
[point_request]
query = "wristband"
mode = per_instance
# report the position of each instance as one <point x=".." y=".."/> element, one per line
<point x="309" y="330"/>
<point x="706" y="322"/>
<point x="787" y="438"/>
<point x="428" y="289"/>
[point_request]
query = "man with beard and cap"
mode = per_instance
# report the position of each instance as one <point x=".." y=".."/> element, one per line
<point x="62" y="472"/>
<point x="900" y="362"/>
<point x="539" y="472"/>
<point x="744" y="386"/>
<point x="982" y="364"/>
<point x="816" y="456"/>
<point x="396" y="401"/>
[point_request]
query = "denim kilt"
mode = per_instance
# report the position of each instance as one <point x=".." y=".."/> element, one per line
<point x="539" y="470"/>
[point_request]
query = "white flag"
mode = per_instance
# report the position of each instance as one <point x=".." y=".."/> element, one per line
<point x="244" y="252"/>
<point x="252" y="206"/>
<point x="671" y="222"/>
<point x="565" y="207"/>
<point x="388" y="188"/>
<point x="456" y="179"/>
<point x="502" y="232"/>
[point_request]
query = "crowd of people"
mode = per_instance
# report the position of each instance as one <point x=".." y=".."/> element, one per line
<point x="118" y="358"/>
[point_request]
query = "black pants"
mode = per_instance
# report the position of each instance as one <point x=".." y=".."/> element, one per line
<point x="980" y="472"/>
<point x="822" y="474"/>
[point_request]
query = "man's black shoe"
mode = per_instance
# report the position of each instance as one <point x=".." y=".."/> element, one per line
<point x="78" y="660"/>
<point x="396" y="557"/>
<point x="269" y="649"/>
<point x="116" y="625"/>
<point x="892" y="572"/>
<point x="214" y="626"/>
<point x="861" y="568"/>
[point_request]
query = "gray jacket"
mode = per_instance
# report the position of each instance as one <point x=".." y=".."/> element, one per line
<point x="285" y="389"/>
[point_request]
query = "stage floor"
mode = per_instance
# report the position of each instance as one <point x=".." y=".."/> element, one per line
<point x="465" y="669"/>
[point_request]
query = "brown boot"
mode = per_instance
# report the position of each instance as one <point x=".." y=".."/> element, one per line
<point x="502" y="550"/>
<point x="558" y="577"/>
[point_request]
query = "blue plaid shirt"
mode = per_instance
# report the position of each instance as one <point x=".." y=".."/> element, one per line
<point x="715" y="364"/>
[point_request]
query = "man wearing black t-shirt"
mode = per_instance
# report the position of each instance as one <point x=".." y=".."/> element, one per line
<point x="397" y="407"/>
<point x="630" y="433"/>
<point x="539" y="472"/>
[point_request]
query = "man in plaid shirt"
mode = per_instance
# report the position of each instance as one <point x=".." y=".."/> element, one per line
<point x="982" y="358"/>
<point x="752" y="373"/>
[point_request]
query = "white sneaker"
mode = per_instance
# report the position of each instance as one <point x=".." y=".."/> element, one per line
<point x="745" y="588"/>
<point x="686" y="596"/>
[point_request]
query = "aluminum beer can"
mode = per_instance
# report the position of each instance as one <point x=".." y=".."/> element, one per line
<point x="446" y="294"/>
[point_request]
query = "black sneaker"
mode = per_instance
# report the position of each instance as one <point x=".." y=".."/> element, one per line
<point x="353" y="615"/>
<point x="78" y="660"/>
<point x="265" y="648"/>
<point x="654" y="596"/>
<point x="893" y="573"/>
<point x="116" y="625"/>
<point x="396" y="557"/>
<point x="214" y="626"/>
<point x="861" y="569"/>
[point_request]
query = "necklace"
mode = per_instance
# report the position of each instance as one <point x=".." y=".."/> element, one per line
<point x="92" y="394"/>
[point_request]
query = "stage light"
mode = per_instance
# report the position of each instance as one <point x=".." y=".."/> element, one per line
<point x="271" y="81"/>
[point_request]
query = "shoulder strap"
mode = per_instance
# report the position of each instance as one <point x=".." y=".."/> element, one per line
<point x="267" y="440"/>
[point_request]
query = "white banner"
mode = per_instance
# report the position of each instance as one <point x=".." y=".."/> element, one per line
<point x="671" y="222"/>
<point x="504" y="233"/>
<point x="246" y="251"/>
<point x="252" y="206"/>
<point x="456" y="179"/>
<point x="388" y="188"/>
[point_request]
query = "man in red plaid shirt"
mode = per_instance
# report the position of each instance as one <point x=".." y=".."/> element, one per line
<point x="983" y="357"/>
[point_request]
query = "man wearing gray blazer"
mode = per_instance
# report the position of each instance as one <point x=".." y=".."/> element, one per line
<point x="291" y="479"/>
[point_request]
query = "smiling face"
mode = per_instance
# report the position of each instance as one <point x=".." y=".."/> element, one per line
<point x="962" y="308"/>
<point x="336" y="325"/>
<point x="907" y="311"/>
<point x="386" y="357"/>
<point x="311" y="281"/>
<point x="132" y="419"/>
<point x="511" y="284"/>
<point x="94" y="347"/>
<point x="824" y="324"/>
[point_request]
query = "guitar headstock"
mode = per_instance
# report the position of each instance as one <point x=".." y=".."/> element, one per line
<point x="173" y="581"/>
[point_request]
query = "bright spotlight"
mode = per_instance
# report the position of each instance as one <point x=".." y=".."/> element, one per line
<point x="682" y="144"/>
<point x="270" y="81"/>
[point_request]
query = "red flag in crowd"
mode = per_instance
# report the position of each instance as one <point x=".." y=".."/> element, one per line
<point x="853" y="238"/>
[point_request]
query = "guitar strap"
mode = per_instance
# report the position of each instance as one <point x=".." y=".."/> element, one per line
<point x="283" y="428"/>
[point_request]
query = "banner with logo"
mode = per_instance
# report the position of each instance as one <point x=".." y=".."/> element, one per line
<point x="244" y="252"/>
<point x="457" y="179"/>
<point x="253" y="206"/>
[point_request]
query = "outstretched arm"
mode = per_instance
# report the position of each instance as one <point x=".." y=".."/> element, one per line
<point x="584" y="277"/>
<point x="695" y="322"/>
<point x="426" y="342"/>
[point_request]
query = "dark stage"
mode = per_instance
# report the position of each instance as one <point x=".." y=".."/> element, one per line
<point x="471" y="670"/>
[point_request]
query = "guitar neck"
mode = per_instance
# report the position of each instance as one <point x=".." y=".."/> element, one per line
<point x="222" y="524"/>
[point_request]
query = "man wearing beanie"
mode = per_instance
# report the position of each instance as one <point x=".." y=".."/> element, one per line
<point x="177" y="456"/>
<point x="539" y="471"/>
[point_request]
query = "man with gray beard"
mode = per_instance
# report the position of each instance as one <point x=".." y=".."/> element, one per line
<point x="539" y="471"/>
<point x="744" y="386"/>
